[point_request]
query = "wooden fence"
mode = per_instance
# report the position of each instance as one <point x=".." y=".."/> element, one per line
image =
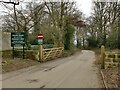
<point x="41" y="55"/>
<point x="109" y="59"/>
<point x="49" y="54"/>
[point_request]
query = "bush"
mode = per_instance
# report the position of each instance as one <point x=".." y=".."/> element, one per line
<point x="92" y="42"/>
<point x="36" y="47"/>
<point x="7" y="54"/>
<point x="34" y="41"/>
<point x="68" y="38"/>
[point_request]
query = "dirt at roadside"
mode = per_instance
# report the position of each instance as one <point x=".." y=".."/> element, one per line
<point x="16" y="64"/>
<point x="112" y="75"/>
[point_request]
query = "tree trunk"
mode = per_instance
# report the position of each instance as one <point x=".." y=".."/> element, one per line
<point x="61" y="25"/>
<point x="17" y="26"/>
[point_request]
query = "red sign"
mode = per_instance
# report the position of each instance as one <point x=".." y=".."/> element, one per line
<point x="40" y="36"/>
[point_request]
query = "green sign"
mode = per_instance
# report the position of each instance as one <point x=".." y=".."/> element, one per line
<point x="40" y="41"/>
<point x="17" y="38"/>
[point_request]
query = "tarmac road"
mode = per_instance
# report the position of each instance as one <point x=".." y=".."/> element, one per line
<point x="77" y="71"/>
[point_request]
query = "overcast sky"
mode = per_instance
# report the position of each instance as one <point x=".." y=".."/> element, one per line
<point x="83" y="5"/>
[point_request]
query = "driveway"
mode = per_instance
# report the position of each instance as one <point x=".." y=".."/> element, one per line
<point x="77" y="71"/>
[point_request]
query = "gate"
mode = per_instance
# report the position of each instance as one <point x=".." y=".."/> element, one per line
<point x="109" y="59"/>
<point x="52" y="53"/>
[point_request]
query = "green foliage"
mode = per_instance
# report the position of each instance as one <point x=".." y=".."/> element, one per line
<point x="34" y="41"/>
<point x="48" y="40"/>
<point x="36" y="47"/>
<point x="78" y="44"/>
<point x="92" y="42"/>
<point x="112" y="44"/>
<point x="67" y="53"/>
<point x="6" y="54"/>
<point x="112" y="41"/>
<point x="68" y="38"/>
<point x="118" y="41"/>
<point x="45" y="41"/>
<point x="48" y="46"/>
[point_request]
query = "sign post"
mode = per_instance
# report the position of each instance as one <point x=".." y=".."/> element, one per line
<point x="23" y="52"/>
<point x="17" y="39"/>
<point x="13" y="52"/>
<point x="40" y="43"/>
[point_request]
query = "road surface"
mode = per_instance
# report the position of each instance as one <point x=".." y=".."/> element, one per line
<point x="77" y="71"/>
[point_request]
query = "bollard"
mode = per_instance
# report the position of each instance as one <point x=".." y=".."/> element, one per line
<point x="102" y="57"/>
